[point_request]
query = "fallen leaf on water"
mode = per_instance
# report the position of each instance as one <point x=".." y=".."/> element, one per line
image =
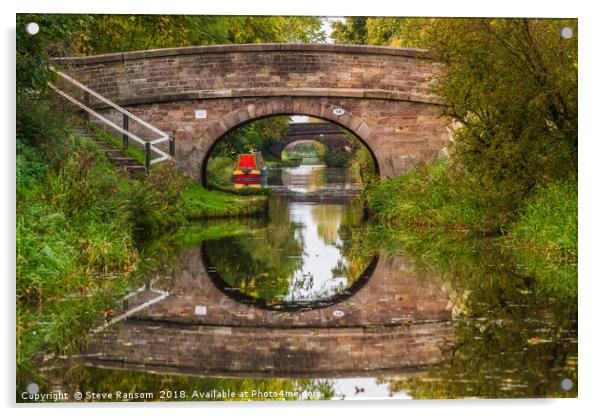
<point x="537" y="340"/>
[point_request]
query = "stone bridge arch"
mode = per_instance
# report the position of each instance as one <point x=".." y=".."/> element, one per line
<point x="287" y="106"/>
<point x="197" y="94"/>
<point x="330" y="135"/>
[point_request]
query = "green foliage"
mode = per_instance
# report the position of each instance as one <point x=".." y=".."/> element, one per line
<point x="274" y="29"/>
<point x="511" y="84"/>
<point x="62" y="200"/>
<point x="391" y="31"/>
<point x="290" y="159"/>
<point x="286" y="162"/>
<point x="257" y="135"/>
<point x="198" y="203"/>
<point x="71" y="243"/>
<point x="350" y="31"/>
<point x="33" y="69"/>
<point x="430" y="198"/>
<point x="40" y="135"/>
<point x="120" y="33"/>
<point x="30" y="165"/>
<point x="545" y="237"/>
<point x="338" y="159"/>
<point x="154" y="204"/>
<point x="364" y="165"/>
<point x="219" y="171"/>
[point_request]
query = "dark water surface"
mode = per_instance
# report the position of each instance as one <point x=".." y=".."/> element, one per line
<point x="312" y="303"/>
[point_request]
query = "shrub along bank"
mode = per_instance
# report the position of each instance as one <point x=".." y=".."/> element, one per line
<point x="541" y="232"/>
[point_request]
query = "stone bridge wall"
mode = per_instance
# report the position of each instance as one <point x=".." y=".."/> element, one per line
<point x="385" y="92"/>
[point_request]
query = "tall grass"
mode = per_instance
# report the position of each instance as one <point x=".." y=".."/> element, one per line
<point x="81" y="226"/>
<point x="429" y="198"/>
<point x="219" y="171"/>
<point x="199" y="203"/>
<point x="74" y="238"/>
<point x="544" y="237"/>
<point x="541" y="231"/>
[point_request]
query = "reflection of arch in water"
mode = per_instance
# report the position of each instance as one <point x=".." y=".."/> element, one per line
<point x="240" y="297"/>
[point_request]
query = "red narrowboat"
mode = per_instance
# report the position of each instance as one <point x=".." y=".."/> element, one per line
<point x="249" y="170"/>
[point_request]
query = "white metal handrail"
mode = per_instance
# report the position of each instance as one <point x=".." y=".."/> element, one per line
<point x="161" y="294"/>
<point x="148" y="144"/>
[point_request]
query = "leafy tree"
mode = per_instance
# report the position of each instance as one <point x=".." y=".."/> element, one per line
<point x="257" y="135"/>
<point x="294" y="29"/>
<point x="119" y="33"/>
<point x="33" y="70"/>
<point x="511" y="84"/>
<point x="390" y="31"/>
<point x="352" y="30"/>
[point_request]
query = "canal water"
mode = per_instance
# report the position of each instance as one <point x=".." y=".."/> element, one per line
<point x="315" y="302"/>
<point x="300" y="258"/>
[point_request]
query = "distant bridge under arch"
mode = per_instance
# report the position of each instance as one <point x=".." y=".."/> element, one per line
<point x="198" y="94"/>
<point x="330" y="135"/>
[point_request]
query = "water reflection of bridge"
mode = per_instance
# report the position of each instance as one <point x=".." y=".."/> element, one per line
<point x="398" y="322"/>
<point x="331" y="195"/>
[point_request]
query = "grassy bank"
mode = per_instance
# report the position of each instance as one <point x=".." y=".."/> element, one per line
<point x="429" y="204"/>
<point x="199" y="203"/>
<point x="195" y="201"/>
<point x="76" y="245"/>
<point x="544" y="237"/>
<point x="426" y="199"/>
<point x="82" y="227"/>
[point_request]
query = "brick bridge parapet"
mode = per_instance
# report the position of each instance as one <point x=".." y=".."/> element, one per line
<point x="383" y="95"/>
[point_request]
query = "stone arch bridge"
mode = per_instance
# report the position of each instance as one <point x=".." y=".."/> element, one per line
<point x="330" y="135"/>
<point x="198" y="94"/>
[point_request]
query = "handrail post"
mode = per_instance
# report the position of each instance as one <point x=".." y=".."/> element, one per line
<point x="87" y="103"/>
<point x="172" y="146"/>
<point x="126" y="127"/>
<point x="148" y="155"/>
